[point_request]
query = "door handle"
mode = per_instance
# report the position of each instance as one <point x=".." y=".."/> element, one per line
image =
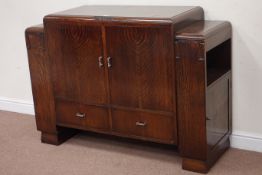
<point x="100" y="61"/>
<point x="109" y="60"/>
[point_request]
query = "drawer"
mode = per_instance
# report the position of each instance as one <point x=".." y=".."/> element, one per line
<point x="81" y="116"/>
<point x="143" y="124"/>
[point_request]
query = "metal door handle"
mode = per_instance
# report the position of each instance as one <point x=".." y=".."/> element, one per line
<point x="100" y="61"/>
<point x="143" y="124"/>
<point x="109" y="64"/>
<point x="80" y="115"/>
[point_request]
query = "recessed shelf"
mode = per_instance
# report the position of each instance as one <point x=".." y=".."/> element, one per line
<point x="218" y="62"/>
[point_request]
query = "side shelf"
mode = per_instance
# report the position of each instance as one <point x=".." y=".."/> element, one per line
<point x="203" y="65"/>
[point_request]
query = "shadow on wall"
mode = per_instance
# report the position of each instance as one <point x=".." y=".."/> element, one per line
<point x="247" y="80"/>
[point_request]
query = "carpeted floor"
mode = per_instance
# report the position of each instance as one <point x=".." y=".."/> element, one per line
<point x="22" y="153"/>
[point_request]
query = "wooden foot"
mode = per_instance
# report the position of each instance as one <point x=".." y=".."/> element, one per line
<point x="195" y="165"/>
<point x="57" y="138"/>
<point x="214" y="154"/>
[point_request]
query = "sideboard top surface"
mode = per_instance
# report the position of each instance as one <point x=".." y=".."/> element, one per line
<point x="204" y="29"/>
<point x="130" y="12"/>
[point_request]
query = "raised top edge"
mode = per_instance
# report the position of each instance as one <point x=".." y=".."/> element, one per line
<point x="35" y="28"/>
<point x="123" y="12"/>
<point x="203" y="29"/>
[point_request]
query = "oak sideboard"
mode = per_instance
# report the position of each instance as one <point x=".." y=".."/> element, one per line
<point x="157" y="74"/>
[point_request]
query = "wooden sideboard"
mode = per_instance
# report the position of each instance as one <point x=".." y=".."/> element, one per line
<point x="159" y="74"/>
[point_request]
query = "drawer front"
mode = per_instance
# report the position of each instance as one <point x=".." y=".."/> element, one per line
<point x="83" y="116"/>
<point x="143" y="124"/>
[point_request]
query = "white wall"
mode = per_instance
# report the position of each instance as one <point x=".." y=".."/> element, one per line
<point x="246" y="17"/>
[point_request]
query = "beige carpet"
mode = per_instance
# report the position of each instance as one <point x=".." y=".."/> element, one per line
<point x="22" y="153"/>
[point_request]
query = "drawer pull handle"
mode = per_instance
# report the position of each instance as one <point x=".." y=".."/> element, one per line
<point x="100" y="61"/>
<point x="80" y="115"/>
<point x="143" y="124"/>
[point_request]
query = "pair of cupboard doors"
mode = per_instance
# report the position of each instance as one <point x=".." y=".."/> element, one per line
<point x="114" y="77"/>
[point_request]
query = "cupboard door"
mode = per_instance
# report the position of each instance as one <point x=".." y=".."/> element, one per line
<point x="141" y="60"/>
<point x="217" y="111"/>
<point x="75" y="51"/>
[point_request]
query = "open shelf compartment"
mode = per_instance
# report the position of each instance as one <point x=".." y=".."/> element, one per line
<point x="218" y="62"/>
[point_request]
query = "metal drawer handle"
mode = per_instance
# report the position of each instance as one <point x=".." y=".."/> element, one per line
<point x="109" y="64"/>
<point x="143" y="124"/>
<point x="100" y="61"/>
<point x="80" y="115"/>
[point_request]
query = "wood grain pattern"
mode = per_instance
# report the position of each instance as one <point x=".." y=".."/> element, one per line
<point x="41" y="84"/>
<point x="42" y="89"/>
<point x="191" y="100"/>
<point x="155" y="126"/>
<point x="141" y="73"/>
<point x="77" y="47"/>
<point x="94" y="117"/>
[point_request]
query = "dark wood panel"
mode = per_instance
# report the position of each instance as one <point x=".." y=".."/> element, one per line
<point x="40" y="78"/>
<point x="74" y="51"/>
<point x="149" y="125"/>
<point x="141" y="73"/>
<point x="42" y="88"/>
<point x="76" y="114"/>
<point x="191" y="90"/>
<point x="217" y="111"/>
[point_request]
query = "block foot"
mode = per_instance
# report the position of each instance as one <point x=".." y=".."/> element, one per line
<point x="57" y="138"/>
<point x="213" y="155"/>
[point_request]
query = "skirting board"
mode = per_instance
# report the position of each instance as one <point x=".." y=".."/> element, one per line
<point x="246" y="141"/>
<point x="15" y="105"/>
<point x="241" y="140"/>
